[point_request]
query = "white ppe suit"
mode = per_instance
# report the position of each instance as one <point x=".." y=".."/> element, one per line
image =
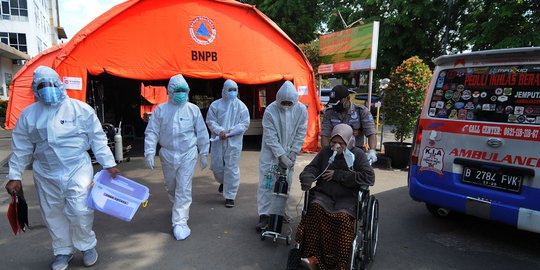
<point x="180" y="130"/>
<point x="224" y="115"/>
<point x="58" y="137"/>
<point x="284" y="130"/>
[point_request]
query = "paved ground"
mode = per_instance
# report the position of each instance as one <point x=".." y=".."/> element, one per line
<point x="221" y="238"/>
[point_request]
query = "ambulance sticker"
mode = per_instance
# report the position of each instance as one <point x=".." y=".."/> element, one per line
<point x="432" y="160"/>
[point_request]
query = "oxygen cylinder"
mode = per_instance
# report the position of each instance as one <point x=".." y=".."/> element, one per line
<point x="118" y="148"/>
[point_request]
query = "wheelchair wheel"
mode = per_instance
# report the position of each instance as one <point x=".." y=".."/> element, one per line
<point x="372" y="229"/>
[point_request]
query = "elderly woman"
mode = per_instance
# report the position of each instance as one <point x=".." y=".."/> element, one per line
<point x="326" y="232"/>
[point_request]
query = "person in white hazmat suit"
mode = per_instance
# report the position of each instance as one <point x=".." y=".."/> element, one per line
<point x="284" y="128"/>
<point x="227" y="119"/>
<point x="179" y="128"/>
<point x="57" y="131"/>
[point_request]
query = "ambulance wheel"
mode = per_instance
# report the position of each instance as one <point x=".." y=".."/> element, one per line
<point x="437" y="210"/>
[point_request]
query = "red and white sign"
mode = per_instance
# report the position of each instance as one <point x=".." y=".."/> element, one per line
<point x="432" y="160"/>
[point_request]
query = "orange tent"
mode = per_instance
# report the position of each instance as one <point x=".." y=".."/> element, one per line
<point x="153" y="95"/>
<point x="156" y="39"/>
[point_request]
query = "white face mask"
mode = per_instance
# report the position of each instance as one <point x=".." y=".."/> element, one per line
<point x="349" y="158"/>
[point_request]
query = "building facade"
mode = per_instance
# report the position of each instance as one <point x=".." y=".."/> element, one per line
<point x="27" y="27"/>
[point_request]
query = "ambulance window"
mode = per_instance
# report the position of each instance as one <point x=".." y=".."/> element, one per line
<point x="503" y="94"/>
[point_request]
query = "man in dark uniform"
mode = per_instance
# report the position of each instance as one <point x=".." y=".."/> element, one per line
<point x="342" y="110"/>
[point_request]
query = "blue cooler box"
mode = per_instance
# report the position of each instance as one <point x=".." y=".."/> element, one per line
<point x="119" y="197"/>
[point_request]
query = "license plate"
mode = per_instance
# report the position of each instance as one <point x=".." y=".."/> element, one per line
<point x="492" y="179"/>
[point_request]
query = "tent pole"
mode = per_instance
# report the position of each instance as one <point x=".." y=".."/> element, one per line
<point x="320" y="84"/>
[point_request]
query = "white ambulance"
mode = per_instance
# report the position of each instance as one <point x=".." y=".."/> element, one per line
<point x="477" y="145"/>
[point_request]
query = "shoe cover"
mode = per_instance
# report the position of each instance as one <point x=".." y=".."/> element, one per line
<point x="181" y="232"/>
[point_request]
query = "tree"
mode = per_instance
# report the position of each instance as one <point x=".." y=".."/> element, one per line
<point x="300" y="19"/>
<point x="403" y="99"/>
<point x="311" y="51"/>
<point x="495" y="24"/>
<point x="426" y="28"/>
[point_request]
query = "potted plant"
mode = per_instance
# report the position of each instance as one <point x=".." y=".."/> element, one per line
<point x="402" y="104"/>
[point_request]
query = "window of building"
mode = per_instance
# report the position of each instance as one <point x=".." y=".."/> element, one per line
<point x="15" y="40"/>
<point x="14" y="9"/>
<point x="8" y="77"/>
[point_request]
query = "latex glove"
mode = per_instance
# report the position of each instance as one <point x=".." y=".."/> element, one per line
<point x="149" y="162"/>
<point x="203" y="159"/>
<point x="371" y="156"/>
<point x="292" y="156"/>
<point x="285" y="162"/>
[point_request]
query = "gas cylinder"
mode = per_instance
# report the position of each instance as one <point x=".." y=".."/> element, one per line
<point x="118" y="148"/>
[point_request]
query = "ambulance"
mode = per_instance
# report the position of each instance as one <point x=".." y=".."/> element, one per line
<point x="477" y="143"/>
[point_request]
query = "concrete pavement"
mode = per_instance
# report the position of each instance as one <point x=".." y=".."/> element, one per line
<point x="221" y="238"/>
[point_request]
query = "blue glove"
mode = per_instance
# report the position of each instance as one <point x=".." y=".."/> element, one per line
<point x="371" y="156"/>
<point x="149" y="160"/>
<point x="292" y="156"/>
<point x="285" y="162"/>
<point x="203" y="159"/>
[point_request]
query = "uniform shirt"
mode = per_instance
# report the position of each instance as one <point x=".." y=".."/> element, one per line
<point x="358" y="117"/>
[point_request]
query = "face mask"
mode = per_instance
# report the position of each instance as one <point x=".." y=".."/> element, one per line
<point x="349" y="158"/>
<point x="180" y="98"/>
<point x="338" y="107"/>
<point x="232" y="94"/>
<point x="50" y="94"/>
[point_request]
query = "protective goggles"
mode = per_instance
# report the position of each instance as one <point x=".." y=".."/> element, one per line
<point x="286" y="103"/>
<point x="45" y="84"/>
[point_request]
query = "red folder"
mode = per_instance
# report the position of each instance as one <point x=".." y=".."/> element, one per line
<point x="18" y="213"/>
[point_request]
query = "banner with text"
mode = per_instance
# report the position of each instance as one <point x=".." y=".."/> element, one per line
<point x="352" y="49"/>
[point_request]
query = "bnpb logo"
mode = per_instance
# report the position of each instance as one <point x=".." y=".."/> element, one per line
<point x="202" y="30"/>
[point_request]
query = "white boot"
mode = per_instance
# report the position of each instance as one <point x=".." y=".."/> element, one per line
<point x="181" y="232"/>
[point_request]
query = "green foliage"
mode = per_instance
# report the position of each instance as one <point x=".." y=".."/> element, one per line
<point x="300" y="19"/>
<point x="502" y="24"/>
<point x="311" y="50"/>
<point x="404" y="97"/>
<point x="426" y="28"/>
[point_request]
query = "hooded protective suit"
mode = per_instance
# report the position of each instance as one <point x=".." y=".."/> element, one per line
<point x="284" y="129"/>
<point x="226" y="114"/>
<point x="57" y="132"/>
<point x="179" y="128"/>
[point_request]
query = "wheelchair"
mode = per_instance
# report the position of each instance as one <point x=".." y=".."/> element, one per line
<point x="366" y="230"/>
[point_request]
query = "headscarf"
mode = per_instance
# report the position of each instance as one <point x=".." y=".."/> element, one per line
<point x="346" y="133"/>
